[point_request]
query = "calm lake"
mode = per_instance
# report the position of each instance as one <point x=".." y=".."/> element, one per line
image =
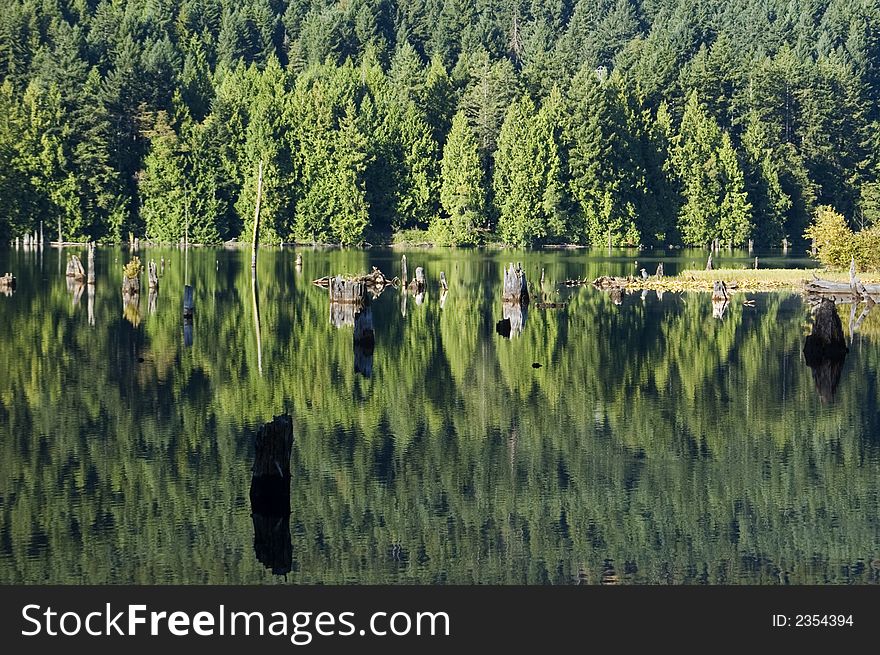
<point x="652" y="444"/>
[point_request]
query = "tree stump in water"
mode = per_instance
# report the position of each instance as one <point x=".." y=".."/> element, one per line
<point x="270" y="495"/>
<point x="516" y="288"/>
<point x="131" y="288"/>
<point x="91" y="279"/>
<point x="659" y="272"/>
<point x="417" y="284"/>
<point x="7" y="284"/>
<point x="75" y="268"/>
<point x="153" y="275"/>
<point x="719" y="291"/>
<point x="825" y="349"/>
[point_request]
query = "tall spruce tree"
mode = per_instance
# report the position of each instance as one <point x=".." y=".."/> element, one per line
<point x="462" y="194"/>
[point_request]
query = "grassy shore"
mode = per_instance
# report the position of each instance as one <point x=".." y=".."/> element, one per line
<point x="745" y="280"/>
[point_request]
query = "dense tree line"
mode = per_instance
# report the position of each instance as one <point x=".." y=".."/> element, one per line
<point x="528" y="122"/>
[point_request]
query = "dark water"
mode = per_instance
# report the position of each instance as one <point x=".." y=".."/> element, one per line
<point x="654" y="444"/>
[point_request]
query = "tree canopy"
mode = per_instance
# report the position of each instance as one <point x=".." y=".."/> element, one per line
<point x="635" y="121"/>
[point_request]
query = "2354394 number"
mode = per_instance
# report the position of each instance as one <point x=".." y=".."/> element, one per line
<point x="824" y="620"/>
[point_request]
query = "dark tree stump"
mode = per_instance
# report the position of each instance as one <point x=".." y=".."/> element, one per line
<point x="270" y="495"/>
<point x="825" y="349"/>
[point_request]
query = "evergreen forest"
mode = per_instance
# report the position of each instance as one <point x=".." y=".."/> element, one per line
<point x="522" y="122"/>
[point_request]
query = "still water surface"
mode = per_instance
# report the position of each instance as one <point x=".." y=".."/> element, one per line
<point x="653" y="444"/>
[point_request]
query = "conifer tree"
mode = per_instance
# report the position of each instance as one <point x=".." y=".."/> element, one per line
<point x="462" y="194"/>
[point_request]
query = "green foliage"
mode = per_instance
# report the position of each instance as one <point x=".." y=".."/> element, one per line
<point x="133" y="268"/>
<point x="795" y="89"/>
<point x="713" y="186"/>
<point x="837" y="244"/>
<point x="462" y="193"/>
<point x="527" y="183"/>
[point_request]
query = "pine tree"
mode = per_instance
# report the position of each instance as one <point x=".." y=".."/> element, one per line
<point x="604" y="160"/>
<point x="735" y="218"/>
<point x="163" y="184"/>
<point x="462" y="194"/>
<point x="716" y="204"/>
<point x="526" y="181"/>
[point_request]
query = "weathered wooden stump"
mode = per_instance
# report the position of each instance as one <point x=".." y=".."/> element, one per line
<point x="443" y="284"/>
<point x="825" y="349"/>
<point x="75" y="268"/>
<point x="270" y="495"/>
<point x="91" y="277"/>
<point x="719" y="291"/>
<point x="516" y="288"/>
<point x="417" y="285"/>
<point x="659" y="272"/>
<point x="7" y="284"/>
<point x="153" y="275"/>
<point x="131" y="289"/>
<point x="299" y="261"/>
<point x="709" y="263"/>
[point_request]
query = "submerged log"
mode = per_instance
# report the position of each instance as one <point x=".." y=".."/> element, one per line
<point x="347" y="291"/>
<point x="270" y="495"/>
<point x="825" y="349"/>
<point x="375" y="282"/>
<point x="75" y="268"/>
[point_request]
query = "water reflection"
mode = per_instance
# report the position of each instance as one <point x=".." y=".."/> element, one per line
<point x="650" y="444"/>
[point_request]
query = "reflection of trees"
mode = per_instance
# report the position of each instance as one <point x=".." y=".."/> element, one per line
<point x="676" y="447"/>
